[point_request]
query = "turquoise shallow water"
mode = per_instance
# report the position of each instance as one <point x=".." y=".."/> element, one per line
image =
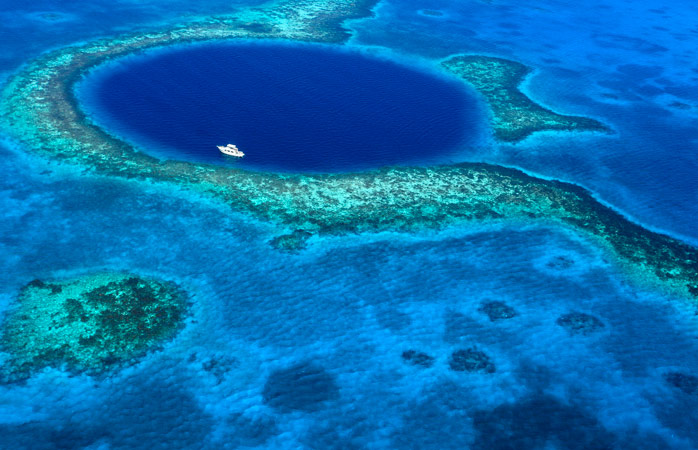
<point x="306" y="350"/>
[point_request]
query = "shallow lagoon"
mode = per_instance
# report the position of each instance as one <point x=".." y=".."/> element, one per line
<point x="289" y="107"/>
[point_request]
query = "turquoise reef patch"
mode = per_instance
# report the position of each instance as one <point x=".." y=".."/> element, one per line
<point x="514" y="115"/>
<point x="89" y="324"/>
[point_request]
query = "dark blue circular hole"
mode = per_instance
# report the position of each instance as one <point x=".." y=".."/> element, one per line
<point x="287" y="107"/>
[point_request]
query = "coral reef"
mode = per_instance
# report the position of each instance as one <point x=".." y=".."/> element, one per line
<point x="302" y="387"/>
<point x="541" y="421"/>
<point x="496" y="310"/>
<point x="682" y="381"/>
<point x="417" y="358"/>
<point x="580" y="323"/>
<point x="514" y="115"/>
<point x="560" y="262"/>
<point x="291" y="243"/>
<point x="679" y="105"/>
<point x="38" y="108"/>
<point x="89" y="324"/>
<point x="471" y="360"/>
<point x="219" y="366"/>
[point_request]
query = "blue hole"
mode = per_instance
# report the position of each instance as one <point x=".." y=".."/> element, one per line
<point x="291" y="108"/>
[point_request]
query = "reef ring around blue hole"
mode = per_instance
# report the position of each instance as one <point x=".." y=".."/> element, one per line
<point x="288" y="107"/>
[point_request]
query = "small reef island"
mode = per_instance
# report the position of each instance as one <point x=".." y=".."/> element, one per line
<point x="39" y="109"/>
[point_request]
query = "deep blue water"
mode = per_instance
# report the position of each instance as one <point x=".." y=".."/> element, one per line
<point x="305" y="350"/>
<point x="288" y="107"/>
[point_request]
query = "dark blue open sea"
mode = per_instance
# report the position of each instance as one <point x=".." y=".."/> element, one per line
<point x="351" y="343"/>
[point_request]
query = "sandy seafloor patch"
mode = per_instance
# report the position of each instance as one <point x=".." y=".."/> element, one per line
<point x="346" y="308"/>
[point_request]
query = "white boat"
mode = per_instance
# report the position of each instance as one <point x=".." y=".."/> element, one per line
<point x="230" y="150"/>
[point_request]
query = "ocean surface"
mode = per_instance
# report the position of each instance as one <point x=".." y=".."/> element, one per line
<point x="311" y="346"/>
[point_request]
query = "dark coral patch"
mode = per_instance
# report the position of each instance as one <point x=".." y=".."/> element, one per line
<point x="679" y="105"/>
<point x="219" y="366"/>
<point x="497" y="310"/>
<point x="560" y="262"/>
<point x="302" y="387"/>
<point x="580" y="323"/>
<point x="54" y="288"/>
<point x="417" y="358"/>
<point x="687" y="383"/>
<point x="291" y="243"/>
<point x="89" y="324"/>
<point x="471" y="360"/>
<point x="539" y="422"/>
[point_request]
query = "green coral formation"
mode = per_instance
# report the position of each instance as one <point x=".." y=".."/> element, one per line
<point x="292" y="242"/>
<point x="39" y="109"/>
<point x="514" y="115"/>
<point x="408" y="199"/>
<point x="89" y="324"/>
